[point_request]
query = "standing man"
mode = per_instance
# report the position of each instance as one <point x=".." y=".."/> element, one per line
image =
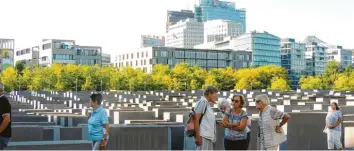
<point x="205" y="136"/>
<point x="270" y="134"/>
<point x="5" y="120"/>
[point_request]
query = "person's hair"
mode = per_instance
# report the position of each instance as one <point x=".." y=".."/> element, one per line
<point x="223" y="102"/>
<point x="336" y="104"/>
<point x="97" y="98"/>
<point x="263" y="98"/>
<point x="210" y="90"/>
<point x="242" y="99"/>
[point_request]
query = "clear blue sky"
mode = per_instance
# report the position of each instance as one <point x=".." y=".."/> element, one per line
<point x="116" y="25"/>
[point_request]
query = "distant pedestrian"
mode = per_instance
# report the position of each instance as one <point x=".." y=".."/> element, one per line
<point x="98" y="124"/>
<point x="270" y="134"/>
<point x="5" y="120"/>
<point x="205" y="133"/>
<point x="334" y="127"/>
<point x="235" y="123"/>
<point x="223" y="105"/>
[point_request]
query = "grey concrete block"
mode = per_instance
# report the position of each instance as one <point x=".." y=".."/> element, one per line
<point x="27" y="133"/>
<point x="50" y="145"/>
<point x="71" y="133"/>
<point x="305" y="131"/>
<point x="138" y="138"/>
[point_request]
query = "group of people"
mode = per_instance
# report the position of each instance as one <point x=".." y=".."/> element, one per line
<point x="237" y="124"/>
<point x="235" y="121"/>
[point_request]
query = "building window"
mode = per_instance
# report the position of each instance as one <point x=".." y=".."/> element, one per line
<point x="46" y="46"/>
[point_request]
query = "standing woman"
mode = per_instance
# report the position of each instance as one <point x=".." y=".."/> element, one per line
<point x="235" y="122"/>
<point x="98" y="125"/>
<point x="334" y="127"/>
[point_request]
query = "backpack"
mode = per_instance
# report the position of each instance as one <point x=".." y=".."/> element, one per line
<point x="190" y="129"/>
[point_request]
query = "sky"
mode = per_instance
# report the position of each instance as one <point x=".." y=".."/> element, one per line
<point x="116" y="25"/>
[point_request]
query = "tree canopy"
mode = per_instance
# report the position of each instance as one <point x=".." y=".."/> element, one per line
<point x="181" y="77"/>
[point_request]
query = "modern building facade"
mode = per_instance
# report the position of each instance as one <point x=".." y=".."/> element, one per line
<point x="293" y="59"/>
<point x="216" y="9"/>
<point x="315" y="55"/>
<point x="343" y="56"/>
<point x="106" y="59"/>
<point x="353" y="57"/>
<point x="7" y="47"/>
<point x="217" y="30"/>
<point x="146" y="58"/>
<point x="52" y="51"/>
<point x="152" y="41"/>
<point x="185" y="34"/>
<point x="29" y="56"/>
<point x="265" y="47"/>
<point x="174" y="17"/>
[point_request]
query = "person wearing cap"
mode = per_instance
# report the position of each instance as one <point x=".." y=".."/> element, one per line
<point x="334" y="127"/>
<point x="270" y="134"/>
<point x="205" y="133"/>
<point x="5" y="120"/>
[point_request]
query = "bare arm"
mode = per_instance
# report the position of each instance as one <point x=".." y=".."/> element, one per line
<point x="196" y="124"/>
<point x="337" y="123"/>
<point x="226" y="122"/>
<point x="5" y="122"/>
<point x="284" y="120"/>
<point x="106" y="134"/>
<point x="241" y="126"/>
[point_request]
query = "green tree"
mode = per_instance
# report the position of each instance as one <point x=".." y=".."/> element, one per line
<point x="19" y="67"/>
<point x="9" y="79"/>
<point x="331" y="73"/>
<point x="311" y="83"/>
<point x="279" y="84"/>
<point x="26" y="78"/>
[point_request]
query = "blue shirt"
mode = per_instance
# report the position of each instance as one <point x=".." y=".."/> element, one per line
<point x="233" y="134"/>
<point x="96" y="124"/>
<point x="333" y="117"/>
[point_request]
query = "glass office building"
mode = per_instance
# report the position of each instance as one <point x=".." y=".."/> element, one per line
<point x="175" y="16"/>
<point x="293" y="59"/>
<point x="265" y="48"/>
<point x="146" y="58"/>
<point x="215" y="9"/>
<point x="315" y="55"/>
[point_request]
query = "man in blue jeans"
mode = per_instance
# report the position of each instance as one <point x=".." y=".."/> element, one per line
<point x="5" y="120"/>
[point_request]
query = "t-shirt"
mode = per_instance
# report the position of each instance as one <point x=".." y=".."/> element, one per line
<point x="333" y="117"/>
<point x="236" y="118"/>
<point x="96" y="123"/>
<point x="5" y="108"/>
<point x="208" y="124"/>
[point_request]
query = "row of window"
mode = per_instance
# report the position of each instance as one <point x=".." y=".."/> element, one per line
<point x="132" y="55"/>
<point x="62" y="57"/>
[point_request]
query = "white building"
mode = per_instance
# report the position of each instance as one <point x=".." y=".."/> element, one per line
<point x="7" y="47"/>
<point x="60" y="51"/>
<point x="29" y="56"/>
<point x="337" y="53"/>
<point x="226" y="43"/>
<point x="185" y="34"/>
<point x="216" y="30"/>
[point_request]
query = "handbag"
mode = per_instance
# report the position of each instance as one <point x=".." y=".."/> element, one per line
<point x="190" y="129"/>
<point x="325" y="130"/>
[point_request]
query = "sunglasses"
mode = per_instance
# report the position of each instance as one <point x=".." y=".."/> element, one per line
<point x="257" y="101"/>
<point x="235" y="101"/>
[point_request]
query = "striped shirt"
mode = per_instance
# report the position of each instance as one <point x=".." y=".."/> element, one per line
<point x="267" y="135"/>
